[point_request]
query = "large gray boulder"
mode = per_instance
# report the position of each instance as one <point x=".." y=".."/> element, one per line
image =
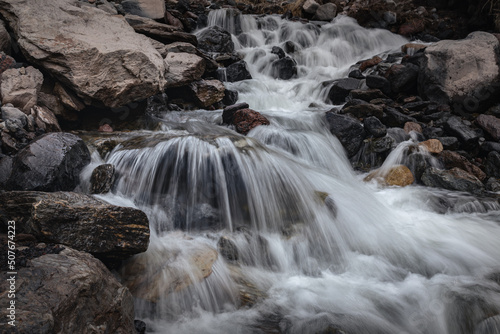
<point x="454" y="70"/>
<point x="68" y="292"/>
<point x="97" y="54"/>
<point x="183" y="68"/>
<point x="52" y="162"/>
<point x="79" y="221"/>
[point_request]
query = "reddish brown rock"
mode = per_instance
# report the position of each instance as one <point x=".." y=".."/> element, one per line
<point x="370" y="63"/>
<point x="412" y="126"/>
<point x="412" y="27"/>
<point x="105" y="128"/>
<point x="452" y="159"/>
<point x="247" y="119"/>
<point x="490" y="124"/>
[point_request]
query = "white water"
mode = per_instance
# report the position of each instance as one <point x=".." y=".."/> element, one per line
<point x="319" y="248"/>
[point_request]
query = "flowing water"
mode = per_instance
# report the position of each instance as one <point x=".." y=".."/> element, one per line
<point x="305" y="246"/>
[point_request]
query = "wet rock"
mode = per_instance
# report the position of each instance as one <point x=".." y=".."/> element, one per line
<point x="449" y="143"/>
<point x="183" y="68"/>
<point x="374" y="127"/>
<point x="399" y="135"/>
<point x="9" y="144"/>
<point x="284" y="68"/>
<point x="14" y="118"/>
<point x="455" y="70"/>
<point x="140" y="326"/>
<point x="98" y="55"/>
<point x="490" y="325"/>
<point x="456" y="127"/>
<point x="230" y="97"/>
<point x="412" y="126"/>
<point x="80" y="221"/>
<point x="326" y="12"/>
<point x="238" y="72"/>
<point x="489" y="146"/>
<point x="228" y="112"/>
<point x="398" y="175"/>
<point x="102" y="179"/>
<point x="492" y="184"/>
<point x="367" y="95"/>
<point x="403" y="78"/>
<point x="432" y="145"/>
<point x="340" y="89"/>
<point x="370" y="63"/>
<point x="21" y="87"/>
<point x="348" y="130"/>
<point x="356" y="74"/>
<point x="378" y="82"/>
<point x="492" y="165"/>
<point x="249" y="294"/>
<point x="207" y="92"/>
<point x="381" y="145"/>
<point x="168" y="267"/>
<point x="364" y="110"/>
<point x="215" y="39"/>
<point x="490" y="124"/>
<point x="452" y="159"/>
<point x="69" y="292"/>
<point x="278" y="51"/>
<point x="160" y="32"/>
<point x="52" y="162"/>
<point x="453" y="179"/>
<point x="245" y="120"/>
<point x="153" y="9"/>
<point x="227" y="249"/>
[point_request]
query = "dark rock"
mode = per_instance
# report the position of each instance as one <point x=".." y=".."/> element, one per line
<point x="431" y="132"/>
<point x="370" y="63"/>
<point x="379" y="82"/>
<point x="5" y="169"/>
<point x="374" y="127"/>
<point x="69" y="292"/>
<point x="398" y="134"/>
<point x="290" y="47"/>
<point x="489" y="326"/>
<point x="490" y="124"/>
<point x="246" y="119"/>
<point x="417" y="163"/>
<point x="284" y="68"/>
<point x="207" y="92"/>
<point x="227" y="249"/>
<point x="9" y="144"/>
<point x="50" y="163"/>
<point x="228" y="112"/>
<point x="341" y="88"/>
<point x="367" y="95"/>
<point x="237" y="72"/>
<point x="454" y="179"/>
<point x="492" y="165"/>
<point x="102" y="179"/>
<point x="449" y="143"/>
<point x="14" y="118"/>
<point x="278" y="51"/>
<point x="452" y="159"/>
<point x="160" y="32"/>
<point x="230" y="97"/>
<point x="79" y="221"/>
<point x="354" y="102"/>
<point x="492" y="184"/>
<point x="403" y="78"/>
<point x="184" y="68"/>
<point x="489" y="146"/>
<point x="364" y="110"/>
<point x="416" y="106"/>
<point x="348" y="130"/>
<point x="383" y="144"/>
<point x="356" y="74"/>
<point x="325" y="12"/>
<point x="140" y="326"/>
<point x="215" y="39"/>
<point x="463" y="132"/>
<point x="395" y="118"/>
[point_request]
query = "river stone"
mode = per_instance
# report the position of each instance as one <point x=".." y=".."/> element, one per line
<point x="98" y="55"/>
<point x="432" y="145"/>
<point x="237" y="72"/>
<point x="348" y="130"/>
<point x="102" y="179"/>
<point x="227" y="249"/>
<point x="453" y="179"/>
<point x="184" y="68"/>
<point x="325" y="12"/>
<point x="492" y="165"/>
<point x="452" y="159"/>
<point x="490" y="124"/>
<point x="215" y="39"/>
<point x="168" y="267"/>
<point x="20" y="86"/>
<point x="5" y="169"/>
<point x="454" y="69"/>
<point x="403" y="78"/>
<point x="412" y="126"/>
<point x="69" y="292"/>
<point x="374" y="127"/>
<point x="14" y="118"/>
<point x="398" y="175"/>
<point x="79" y="221"/>
<point x="207" y="92"/>
<point x="341" y="89"/>
<point x="395" y="118"/>
<point x="378" y="82"/>
<point x="153" y="9"/>
<point x="228" y="112"/>
<point x="284" y="68"/>
<point x="51" y="162"/>
<point x="245" y="120"/>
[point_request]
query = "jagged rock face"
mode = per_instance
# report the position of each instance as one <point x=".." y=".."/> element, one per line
<point x="80" y="221"/>
<point x="21" y="87"/>
<point x="69" y="292"/>
<point x="97" y="54"/>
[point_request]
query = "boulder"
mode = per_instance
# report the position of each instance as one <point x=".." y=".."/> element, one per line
<point x="153" y="9"/>
<point x="227" y="249"/>
<point x="490" y="325"/>
<point x="228" y="112"/>
<point x="230" y="97"/>
<point x="183" y="68"/>
<point x="412" y="126"/>
<point x="68" y="292"/>
<point x="398" y="175"/>
<point x="246" y="119"/>
<point x="284" y="68"/>
<point x="452" y="159"/>
<point x="378" y="82"/>
<point x="6" y="62"/>
<point x="79" y="221"/>
<point x="98" y="55"/>
<point x="456" y="127"/>
<point x="432" y="146"/>
<point x="14" y="118"/>
<point x="364" y="110"/>
<point x="168" y="267"/>
<point x="278" y="51"/>
<point x="102" y="179"/>
<point x="490" y="124"/>
<point x="207" y="92"/>
<point x="374" y="127"/>
<point x="453" y="70"/>
<point x="325" y="12"/>
<point x="310" y="6"/>
<point x="215" y="39"/>
<point x="51" y="162"/>
<point x="403" y="78"/>
<point x="453" y="179"/>
<point x="20" y="86"/>
<point x="160" y="32"/>
<point x="46" y="120"/>
<point x="348" y="130"/>
<point x="341" y="88"/>
<point x="370" y="63"/>
<point x="237" y="72"/>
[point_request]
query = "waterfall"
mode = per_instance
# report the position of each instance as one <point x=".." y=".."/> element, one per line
<point x="273" y="232"/>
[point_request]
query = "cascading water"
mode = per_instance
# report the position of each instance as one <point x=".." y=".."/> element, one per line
<point x="303" y="245"/>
